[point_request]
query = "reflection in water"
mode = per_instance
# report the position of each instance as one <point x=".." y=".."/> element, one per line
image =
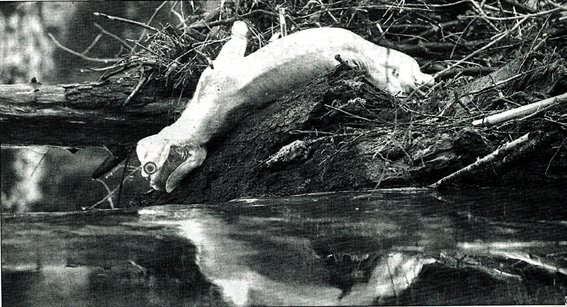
<point x="327" y="249"/>
<point x="100" y="260"/>
<point x="388" y="247"/>
<point x="252" y="272"/>
<point x="228" y="263"/>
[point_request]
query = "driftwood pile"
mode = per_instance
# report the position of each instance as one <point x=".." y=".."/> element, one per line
<point x="500" y="68"/>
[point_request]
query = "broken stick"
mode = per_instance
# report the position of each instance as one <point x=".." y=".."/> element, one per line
<point x="520" y="111"/>
<point x="498" y="153"/>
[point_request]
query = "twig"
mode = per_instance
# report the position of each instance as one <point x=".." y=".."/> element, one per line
<point x="332" y="156"/>
<point x="521" y="6"/>
<point x="107" y="197"/>
<point x="510" y="250"/>
<point x="533" y="46"/>
<point x="132" y="22"/>
<point x="341" y="61"/>
<point x="209" y="60"/>
<point x="533" y="260"/>
<point x="539" y="14"/>
<point x="150" y="21"/>
<point x="493" y="156"/>
<point x="350" y="114"/>
<point x="110" y="193"/>
<point x="121" y="186"/>
<point x="204" y="25"/>
<point x="107" y="73"/>
<point x="97" y="38"/>
<point x="182" y="20"/>
<point x="436" y="28"/>
<point x="110" y="202"/>
<point x="494" y="85"/>
<point x="116" y="37"/>
<point x="82" y="56"/>
<point x="557" y="5"/>
<point x="521" y="111"/>
<point x="496" y="40"/>
<point x="36" y="167"/>
<point x="427" y="48"/>
<point x="102" y="69"/>
<point x="554" y="155"/>
<point x="141" y="82"/>
<point x="484" y="16"/>
<point x="145" y="48"/>
<point x="467" y="71"/>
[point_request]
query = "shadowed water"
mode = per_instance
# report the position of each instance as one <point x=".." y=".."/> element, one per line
<point x="382" y="247"/>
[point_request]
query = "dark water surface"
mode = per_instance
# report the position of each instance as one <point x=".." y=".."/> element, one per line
<point x="498" y="246"/>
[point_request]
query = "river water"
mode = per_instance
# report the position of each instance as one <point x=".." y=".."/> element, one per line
<point x="401" y="246"/>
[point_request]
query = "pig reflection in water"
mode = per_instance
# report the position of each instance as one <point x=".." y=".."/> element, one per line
<point x="258" y="273"/>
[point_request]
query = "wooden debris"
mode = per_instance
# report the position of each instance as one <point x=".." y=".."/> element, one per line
<point x="88" y="114"/>
<point x="495" y="155"/>
<point x="522" y="111"/>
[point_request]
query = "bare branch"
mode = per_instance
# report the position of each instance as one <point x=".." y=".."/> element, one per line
<point x="97" y="38"/>
<point x="521" y="111"/>
<point x="116" y="37"/>
<point x="204" y="25"/>
<point x="82" y="56"/>
<point x="133" y="22"/>
<point x="498" y="153"/>
<point x="493" y="42"/>
<point x="150" y="21"/>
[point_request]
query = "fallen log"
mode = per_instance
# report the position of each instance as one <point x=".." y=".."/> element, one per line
<point x="84" y="114"/>
<point x="346" y="122"/>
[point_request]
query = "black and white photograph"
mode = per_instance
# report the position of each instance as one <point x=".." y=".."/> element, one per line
<point x="283" y="153"/>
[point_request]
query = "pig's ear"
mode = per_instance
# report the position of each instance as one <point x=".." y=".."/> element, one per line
<point x="421" y="78"/>
<point x="186" y="159"/>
